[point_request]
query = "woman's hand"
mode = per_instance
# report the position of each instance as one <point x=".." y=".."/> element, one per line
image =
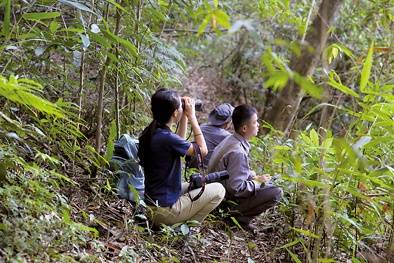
<point x="189" y="107"/>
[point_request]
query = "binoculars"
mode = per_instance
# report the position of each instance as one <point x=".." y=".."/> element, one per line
<point x="197" y="106"/>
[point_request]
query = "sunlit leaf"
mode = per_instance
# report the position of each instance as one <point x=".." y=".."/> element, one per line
<point x="342" y="88"/>
<point x="308" y="86"/>
<point x="53" y="26"/>
<point x="222" y="18"/>
<point x="366" y="72"/>
<point x="116" y="5"/>
<point x="292" y="243"/>
<point x="204" y="24"/>
<point x="305" y="232"/>
<point x="40" y="15"/>
<point x="20" y="93"/>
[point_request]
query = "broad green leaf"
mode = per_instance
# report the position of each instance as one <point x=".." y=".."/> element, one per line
<point x="342" y="88"/>
<point x="222" y="18"/>
<point x="292" y="243"/>
<point x="117" y="5"/>
<point x="216" y="3"/>
<point x="308" y="86"/>
<point x="40" y="15"/>
<point x="305" y="232"/>
<point x="204" y="24"/>
<point x="235" y="221"/>
<point x="123" y="42"/>
<point x="366" y="72"/>
<point x="53" y="26"/>
<point x="136" y="194"/>
<point x="326" y="260"/>
<point x="314" y="137"/>
<point x="73" y="30"/>
<point x="21" y="93"/>
<point x="346" y="218"/>
<point x="344" y="49"/>
<point x="99" y="39"/>
<point x="327" y="143"/>
<point x="307" y="182"/>
<point x="6" y="30"/>
<point x="331" y="53"/>
<point x="277" y="80"/>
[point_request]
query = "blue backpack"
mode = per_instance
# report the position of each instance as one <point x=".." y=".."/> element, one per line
<point x="124" y="164"/>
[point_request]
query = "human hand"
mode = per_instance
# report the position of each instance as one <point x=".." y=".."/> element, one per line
<point x="263" y="178"/>
<point x="252" y="174"/>
<point x="189" y="109"/>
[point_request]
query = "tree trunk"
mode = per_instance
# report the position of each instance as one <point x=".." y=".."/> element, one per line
<point x="286" y="104"/>
<point x="103" y="76"/>
<point x="117" y="118"/>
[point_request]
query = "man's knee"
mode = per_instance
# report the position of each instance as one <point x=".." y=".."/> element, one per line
<point x="277" y="194"/>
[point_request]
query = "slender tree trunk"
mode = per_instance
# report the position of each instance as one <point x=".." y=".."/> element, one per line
<point x="81" y="84"/>
<point x="103" y="76"/>
<point x="117" y="121"/>
<point x="100" y="104"/>
<point x="286" y="104"/>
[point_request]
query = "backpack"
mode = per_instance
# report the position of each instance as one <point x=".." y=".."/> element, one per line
<point x="125" y="165"/>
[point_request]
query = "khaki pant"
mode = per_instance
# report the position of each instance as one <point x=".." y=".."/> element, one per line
<point x="184" y="209"/>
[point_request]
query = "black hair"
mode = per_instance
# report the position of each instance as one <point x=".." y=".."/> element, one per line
<point x="242" y="115"/>
<point x="163" y="104"/>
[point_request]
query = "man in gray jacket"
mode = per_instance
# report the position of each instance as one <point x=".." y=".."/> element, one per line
<point x="252" y="194"/>
<point x="216" y="130"/>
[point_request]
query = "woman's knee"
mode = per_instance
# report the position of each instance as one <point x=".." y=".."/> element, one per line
<point x="216" y="191"/>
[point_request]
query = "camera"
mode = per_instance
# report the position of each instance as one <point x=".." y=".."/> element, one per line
<point x="198" y="105"/>
<point x="197" y="180"/>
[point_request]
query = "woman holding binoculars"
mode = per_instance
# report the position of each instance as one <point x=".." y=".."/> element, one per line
<point x="160" y="152"/>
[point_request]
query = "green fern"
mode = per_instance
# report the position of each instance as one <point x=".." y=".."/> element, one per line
<point x="21" y="91"/>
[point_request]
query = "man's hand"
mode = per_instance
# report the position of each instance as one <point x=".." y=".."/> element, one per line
<point x="263" y="178"/>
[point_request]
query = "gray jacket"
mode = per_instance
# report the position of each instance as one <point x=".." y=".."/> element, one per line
<point x="213" y="135"/>
<point x="232" y="155"/>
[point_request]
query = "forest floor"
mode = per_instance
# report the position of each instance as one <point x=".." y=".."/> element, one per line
<point x="121" y="239"/>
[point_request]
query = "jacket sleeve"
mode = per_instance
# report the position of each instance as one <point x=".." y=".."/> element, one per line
<point x="239" y="184"/>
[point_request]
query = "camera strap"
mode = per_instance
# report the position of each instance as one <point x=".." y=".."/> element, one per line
<point x="201" y="169"/>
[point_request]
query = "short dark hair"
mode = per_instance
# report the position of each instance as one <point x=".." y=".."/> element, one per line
<point x="242" y="115"/>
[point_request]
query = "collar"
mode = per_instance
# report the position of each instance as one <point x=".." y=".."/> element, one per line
<point x="245" y="144"/>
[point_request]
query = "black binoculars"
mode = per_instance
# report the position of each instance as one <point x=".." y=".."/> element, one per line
<point x="198" y="105"/>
